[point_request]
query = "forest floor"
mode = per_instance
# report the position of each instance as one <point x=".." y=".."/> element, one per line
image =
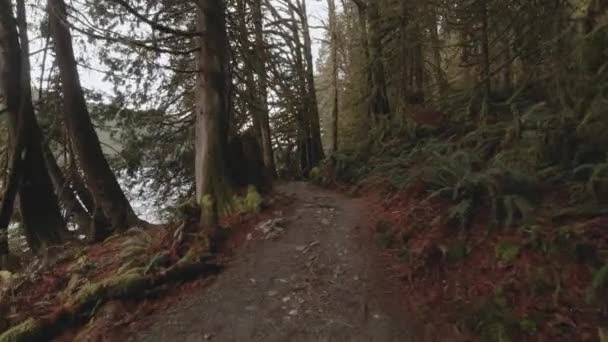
<point x="305" y="274"/>
<point x="316" y="265"/>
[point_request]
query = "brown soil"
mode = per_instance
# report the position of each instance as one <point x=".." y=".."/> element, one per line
<point x="315" y="282"/>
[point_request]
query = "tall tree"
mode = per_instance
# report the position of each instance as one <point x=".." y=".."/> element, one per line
<point x="40" y="214"/>
<point x="379" y="104"/>
<point x="262" y="80"/>
<point x="72" y="205"/>
<point x="333" y="34"/>
<point x="99" y="178"/>
<point x="212" y="184"/>
<point x="378" y="97"/>
<point x="313" y="106"/>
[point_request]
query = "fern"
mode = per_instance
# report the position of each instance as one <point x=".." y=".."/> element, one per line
<point x="510" y="195"/>
<point x="136" y="250"/>
<point x="595" y="179"/>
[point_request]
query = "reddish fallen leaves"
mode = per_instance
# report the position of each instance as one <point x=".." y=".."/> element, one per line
<point x="43" y="295"/>
<point x="443" y="294"/>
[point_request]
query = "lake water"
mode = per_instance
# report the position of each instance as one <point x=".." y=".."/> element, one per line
<point x="143" y="201"/>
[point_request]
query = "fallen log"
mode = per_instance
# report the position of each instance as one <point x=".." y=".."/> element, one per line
<point x="81" y="307"/>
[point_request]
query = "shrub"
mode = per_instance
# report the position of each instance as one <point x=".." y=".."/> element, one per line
<point x="511" y="195"/>
<point x="250" y="203"/>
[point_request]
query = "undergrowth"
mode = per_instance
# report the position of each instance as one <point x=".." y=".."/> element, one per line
<point x="526" y="175"/>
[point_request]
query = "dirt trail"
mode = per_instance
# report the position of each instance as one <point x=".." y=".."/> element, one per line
<point x="311" y="282"/>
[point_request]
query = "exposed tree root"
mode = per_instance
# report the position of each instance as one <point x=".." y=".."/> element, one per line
<point x="81" y="307"/>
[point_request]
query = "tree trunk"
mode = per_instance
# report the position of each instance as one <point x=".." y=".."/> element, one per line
<point x="313" y="107"/>
<point x="65" y="193"/>
<point x="212" y="186"/>
<point x="98" y="176"/>
<point x="41" y="217"/>
<point x="419" y="67"/>
<point x="485" y="50"/>
<point x="440" y="77"/>
<point x="405" y="51"/>
<point x="11" y="187"/>
<point x="9" y="72"/>
<point x="363" y="33"/>
<point x="256" y="107"/>
<point x="333" y="32"/>
<point x="304" y="140"/>
<point x="15" y="167"/>
<point x="379" y="104"/>
<point x="260" y="64"/>
<point x="363" y="40"/>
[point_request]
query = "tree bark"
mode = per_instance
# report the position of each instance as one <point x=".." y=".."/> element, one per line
<point x="9" y="70"/>
<point x="254" y="97"/>
<point x="66" y="194"/>
<point x="260" y="65"/>
<point x="379" y="104"/>
<point x="485" y="49"/>
<point x="418" y="66"/>
<point x="41" y="217"/>
<point x="98" y="176"/>
<point x="306" y="153"/>
<point x="333" y="32"/>
<point x="440" y="77"/>
<point x="313" y="108"/>
<point x="212" y="185"/>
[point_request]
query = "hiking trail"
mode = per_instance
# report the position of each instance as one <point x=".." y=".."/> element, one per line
<point x="302" y="276"/>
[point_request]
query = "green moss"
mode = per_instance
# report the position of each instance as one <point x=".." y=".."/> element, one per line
<point x="24" y="332"/>
<point x="200" y="247"/>
<point x="114" y="287"/>
<point x="506" y="251"/>
<point x="125" y="284"/>
<point x="529" y="326"/>
<point x="315" y="175"/>
<point x="87" y="295"/>
<point x="216" y="205"/>
<point x="252" y="201"/>
<point x="206" y="204"/>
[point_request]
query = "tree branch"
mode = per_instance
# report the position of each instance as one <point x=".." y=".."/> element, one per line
<point x="155" y="25"/>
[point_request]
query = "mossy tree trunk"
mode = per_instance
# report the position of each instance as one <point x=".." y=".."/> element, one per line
<point x="212" y="183"/>
<point x="98" y="176"/>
